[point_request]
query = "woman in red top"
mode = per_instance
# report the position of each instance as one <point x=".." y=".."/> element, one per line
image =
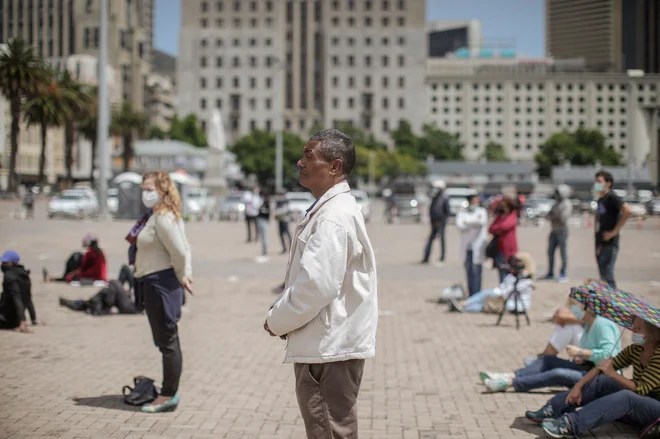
<point x="92" y="265"/>
<point x="504" y="228"/>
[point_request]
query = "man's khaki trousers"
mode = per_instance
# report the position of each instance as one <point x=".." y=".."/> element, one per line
<point x="327" y="396"/>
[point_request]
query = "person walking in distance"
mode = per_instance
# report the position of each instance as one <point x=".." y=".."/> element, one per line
<point x="252" y="202"/>
<point x="329" y="307"/>
<point x="472" y="222"/>
<point x="283" y="215"/>
<point x="439" y="213"/>
<point x="162" y="270"/>
<point x="611" y="214"/>
<point x="263" y="218"/>
<point x="559" y="215"/>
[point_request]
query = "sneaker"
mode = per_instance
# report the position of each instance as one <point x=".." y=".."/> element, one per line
<point x="484" y="376"/>
<point x="499" y="385"/>
<point x="457" y="305"/>
<point x="560" y="427"/>
<point x="439" y="264"/>
<point x="562" y="279"/>
<point x="261" y="259"/>
<point x="541" y="415"/>
<point x="548" y="277"/>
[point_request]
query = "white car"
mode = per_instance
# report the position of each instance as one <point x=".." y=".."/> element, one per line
<point x="299" y="202"/>
<point x="74" y="203"/>
<point x="458" y="198"/>
<point x="365" y="204"/>
<point x="199" y="203"/>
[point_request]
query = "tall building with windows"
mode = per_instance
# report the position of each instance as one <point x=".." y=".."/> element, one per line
<point x="60" y="28"/>
<point x="611" y="35"/>
<point x="303" y="62"/>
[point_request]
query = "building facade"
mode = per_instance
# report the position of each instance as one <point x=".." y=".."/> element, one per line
<point x="611" y="35"/>
<point x="303" y="63"/>
<point x="520" y="103"/>
<point x="446" y="37"/>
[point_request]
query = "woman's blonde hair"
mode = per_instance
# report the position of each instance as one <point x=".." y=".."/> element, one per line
<point x="170" y="200"/>
<point x="528" y="262"/>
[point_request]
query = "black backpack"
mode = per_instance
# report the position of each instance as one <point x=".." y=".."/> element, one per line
<point x="144" y="391"/>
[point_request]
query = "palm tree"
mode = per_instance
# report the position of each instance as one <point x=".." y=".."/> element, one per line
<point x="20" y="71"/>
<point x="77" y="108"/>
<point x="127" y="123"/>
<point x="47" y="108"/>
<point x="88" y="126"/>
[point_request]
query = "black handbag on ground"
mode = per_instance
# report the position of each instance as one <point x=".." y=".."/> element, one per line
<point x="493" y="248"/>
<point x="144" y="391"/>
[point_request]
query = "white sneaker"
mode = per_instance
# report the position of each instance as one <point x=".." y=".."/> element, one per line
<point x="439" y="264"/>
<point x="261" y="259"/>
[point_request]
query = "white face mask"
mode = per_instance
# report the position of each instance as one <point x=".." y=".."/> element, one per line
<point x="150" y="199"/>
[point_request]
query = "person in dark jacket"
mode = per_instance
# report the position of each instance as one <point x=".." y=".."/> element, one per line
<point x="16" y="294"/>
<point x="439" y="213"/>
<point x="114" y="295"/>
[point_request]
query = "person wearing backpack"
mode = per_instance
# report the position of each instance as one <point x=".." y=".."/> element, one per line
<point x="439" y="213"/>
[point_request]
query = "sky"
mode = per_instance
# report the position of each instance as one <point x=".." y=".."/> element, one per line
<point x="518" y="22"/>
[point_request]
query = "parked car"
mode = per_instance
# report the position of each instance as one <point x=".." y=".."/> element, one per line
<point x="199" y="202"/>
<point x="232" y="208"/>
<point x="457" y="197"/>
<point x="299" y="202"/>
<point x="653" y="207"/>
<point x="364" y="202"/>
<point x="74" y="203"/>
<point x="637" y="208"/>
<point x="408" y="207"/>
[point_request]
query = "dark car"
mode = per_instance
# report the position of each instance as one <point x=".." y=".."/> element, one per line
<point x="408" y="207"/>
<point x="653" y="206"/>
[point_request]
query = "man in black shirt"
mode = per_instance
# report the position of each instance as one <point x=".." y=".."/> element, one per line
<point x="611" y="214"/>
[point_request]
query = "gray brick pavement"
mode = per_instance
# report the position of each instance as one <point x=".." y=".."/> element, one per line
<point x="65" y="380"/>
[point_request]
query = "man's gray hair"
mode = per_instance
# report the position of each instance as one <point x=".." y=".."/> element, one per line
<point x="336" y="145"/>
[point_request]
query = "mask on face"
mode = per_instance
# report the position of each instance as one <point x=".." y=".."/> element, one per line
<point x="577" y="312"/>
<point x="150" y="199"/>
<point x="638" y="339"/>
<point x="598" y="187"/>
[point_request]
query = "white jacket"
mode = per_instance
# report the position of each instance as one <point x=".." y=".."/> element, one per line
<point x="329" y="307"/>
<point x="525" y="288"/>
<point x="474" y="233"/>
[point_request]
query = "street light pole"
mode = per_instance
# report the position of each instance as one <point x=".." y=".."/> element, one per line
<point x="632" y="108"/>
<point x="103" y="119"/>
<point x="279" y="126"/>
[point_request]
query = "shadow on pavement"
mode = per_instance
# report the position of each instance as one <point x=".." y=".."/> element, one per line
<point x="115" y="402"/>
<point x="523" y="424"/>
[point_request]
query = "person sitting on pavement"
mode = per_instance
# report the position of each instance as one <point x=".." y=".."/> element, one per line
<point x="604" y="395"/>
<point x="601" y="340"/>
<point x="92" y="265"/>
<point x="114" y="296"/>
<point x="523" y="282"/>
<point x="16" y="294"/>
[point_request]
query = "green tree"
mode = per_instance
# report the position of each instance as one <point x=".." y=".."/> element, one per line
<point x="78" y="103"/>
<point x="88" y="126"/>
<point x="255" y="153"/>
<point x="49" y="107"/>
<point x="20" y="72"/>
<point x="433" y="142"/>
<point x="582" y="147"/>
<point x="127" y="123"/>
<point x="155" y="132"/>
<point x="188" y="130"/>
<point x="495" y="152"/>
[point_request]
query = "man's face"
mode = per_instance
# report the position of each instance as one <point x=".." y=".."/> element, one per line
<point x="315" y="171"/>
<point x="600" y="179"/>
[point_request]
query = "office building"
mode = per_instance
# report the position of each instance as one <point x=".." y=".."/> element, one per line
<point x="305" y="62"/>
<point x="520" y="103"/>
<point x="611" y="35"/>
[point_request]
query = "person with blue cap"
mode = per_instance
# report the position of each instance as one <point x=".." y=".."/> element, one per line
<point x="16" y="294"/>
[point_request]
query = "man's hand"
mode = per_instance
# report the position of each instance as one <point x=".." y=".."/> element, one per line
<point x="606" y="367"/>
<point x="267" y="329"/>
<point x="608" y="236"/>
<point x="187" y="284"/>
<point x="574" y="396"/>
<point x="573" y="351"/>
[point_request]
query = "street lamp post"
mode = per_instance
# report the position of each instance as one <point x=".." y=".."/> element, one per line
<point x="103" y="119"/>
<point x="279" y="122"/>
<point x="633" y="119"/>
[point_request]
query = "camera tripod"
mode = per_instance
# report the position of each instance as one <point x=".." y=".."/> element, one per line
<point x="515" y="295"/>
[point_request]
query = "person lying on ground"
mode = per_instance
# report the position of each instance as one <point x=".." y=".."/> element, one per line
<point x="601" y="340"/>
<point x="103" y="302"/>
<point x="523" y="281"/>
<point x="16" y="294"/>
<point x="604" y="396"/>
<point x="92" y="265"/>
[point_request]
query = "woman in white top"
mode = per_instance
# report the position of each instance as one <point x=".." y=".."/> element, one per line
<point x="162" y="270"/>
<point x="472" y="222"/>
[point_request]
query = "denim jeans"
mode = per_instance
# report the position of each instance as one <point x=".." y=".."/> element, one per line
<point x="473" y="273"/>
<point x="475" y="303"/>
<point x="500" y="260"/>
<point x="262" y="231"/>
<point x="284" y="232"/>
<point x="436" y="228"/>
<point x="557" y="239"/>
<point x="603" y="402"/>
<point x="548" y="371"/>
<point x="606" y="260"/>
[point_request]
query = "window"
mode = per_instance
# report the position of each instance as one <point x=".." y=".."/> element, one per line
<point x="218" y="103"/>
<point x="402" y="5"/>
<point x="202" y="61"/>
<point x="367" y="5"/>
<point x="205" y="6"/>
<point x="237" y="6"/>
<point x="335" y="21"/>
<point x="386" y="126"/>
<point x="386" y="21"/>
<point x="367" y="81"/>
<point x="367" y="61"/>
<point x="253" y="84"/>
<point x="385" y="81"/>
<point x="237" y="23"/>
<point x="335" y="61"/>
<point x="351" y="21"/>
<point x="269" y="6"/>
<point x="402" y="60"/>
<point x="253" y="61"/>
<point x="236" y="42"/>
<point x="335" y="103"/>
<point x="219" y="6"/>
<point x="367" y="41"/>
<point x="202" y="104"/>
<point x="202" y="82"/>
<point x="351" y="102"/>
<point x="402" y="41"/>
<point x="351" y="41"/>
<point x="367" y="21"/>
<point x="203" y="42"/>
<point x="384" y="61"/>
<point x="268" y="125"/>
<point x="252" y="102"/>
<point x="203" y="23"/>
<point x="385" y="41"/>
<point x="351" y="82"/>
<point x="386" y="103"/>
<point x="269" y="82"/>
<point x="269" y="61"/>
<point x="351" y="61"/>
<point x="402" y="82"/>
<point x="402" y="21"/>
<point x="253" y="23"/>
<point x="335" y="5"/>
<point x="218" y="61"/>
<point x="269" y="22"/>
<point x="335" y="81"/>
<point x="236" y="62"/>
<point x="268" y="104"/>
<point x="218" y="82"/>
<point x="237" y="82"/>
<point x="218" y="43"/>
<point x="253" y="6"/>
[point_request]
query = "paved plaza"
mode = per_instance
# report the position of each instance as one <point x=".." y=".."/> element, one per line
<point x="65" y="380"/>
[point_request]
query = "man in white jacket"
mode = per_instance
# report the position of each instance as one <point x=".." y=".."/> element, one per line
<point x="328" y="310"/>
<point x="472" y="222"/>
